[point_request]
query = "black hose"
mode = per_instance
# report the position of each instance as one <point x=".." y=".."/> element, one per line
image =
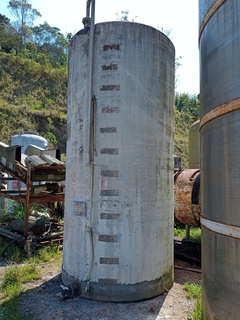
<point x="33" y="243"/>
<point x="13" y="241"/>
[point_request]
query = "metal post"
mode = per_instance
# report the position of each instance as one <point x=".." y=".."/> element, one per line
<point x="28" y="189"/>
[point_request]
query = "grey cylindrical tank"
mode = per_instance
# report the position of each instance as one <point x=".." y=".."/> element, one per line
<point x="194" y="146"/>
<point x="118" y="227"/>
<point x="220" y="145"/>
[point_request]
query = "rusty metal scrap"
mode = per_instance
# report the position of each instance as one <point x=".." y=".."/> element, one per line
<point x="33" y="172"/>
<point x="187" y="197"/>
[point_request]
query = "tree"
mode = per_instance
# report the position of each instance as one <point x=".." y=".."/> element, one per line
<point x="178" y="63"/>
<point x="187" y="104"/>
<point x="9" y="38"/>
<point x="177" y="66"/>
<point x="25" y="16"/>
<point x="51" y="42"/>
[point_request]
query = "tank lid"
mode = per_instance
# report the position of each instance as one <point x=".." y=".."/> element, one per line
<point x="30" y="132"/>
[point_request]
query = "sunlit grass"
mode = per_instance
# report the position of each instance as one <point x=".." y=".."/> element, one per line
<point x="194" y="291"/>
<point x="17" y="276"/>
<point x="11" y="291"/>
<point x="195" y="233"/>
<point x="47" y="254"/>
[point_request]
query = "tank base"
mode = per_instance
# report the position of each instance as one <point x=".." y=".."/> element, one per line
<point x="117" y="292"/>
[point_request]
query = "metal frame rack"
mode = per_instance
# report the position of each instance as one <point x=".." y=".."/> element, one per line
<point x="10" y="163"/>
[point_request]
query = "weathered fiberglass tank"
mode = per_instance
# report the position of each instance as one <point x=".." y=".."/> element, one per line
<point x="118" y="228"/>
<point x="219" y="44"/>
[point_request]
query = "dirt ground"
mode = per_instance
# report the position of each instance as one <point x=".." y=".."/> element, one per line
<point x="42" y="302"/>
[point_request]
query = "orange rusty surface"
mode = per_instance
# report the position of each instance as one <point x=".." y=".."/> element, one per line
<point x="219" y="111"/>
<point x="184" y="211"/>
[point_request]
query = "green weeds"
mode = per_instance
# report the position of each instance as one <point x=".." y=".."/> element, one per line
<point x="194" y="291"/>
<point x="16" y="276"/>
<point x="195" y="233"/>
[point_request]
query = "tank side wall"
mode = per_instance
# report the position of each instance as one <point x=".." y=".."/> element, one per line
<point x="219" y="57"/>
<point x="220" y="148"/>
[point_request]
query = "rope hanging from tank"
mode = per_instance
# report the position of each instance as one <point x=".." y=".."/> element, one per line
<point x="220" y="111"/>
<point x="92" y="154"/>
<point x="89" y="22"/>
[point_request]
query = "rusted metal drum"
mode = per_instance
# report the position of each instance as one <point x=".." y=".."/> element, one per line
<point x="219" y="44"/>
<point x="187" y="197"/>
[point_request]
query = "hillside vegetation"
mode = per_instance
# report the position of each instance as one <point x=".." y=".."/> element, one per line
<point x="32" y="98"/>
<point x="33" y="83"/>
<point x="186" y="113"/>
<point x="33" y="76"/>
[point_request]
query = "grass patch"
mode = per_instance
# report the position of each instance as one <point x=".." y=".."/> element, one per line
<point x="12" y="287"/>
<point x="12" y="253"/>
<point x="47" y="254"/>
<point x="9" y="311"/>
<point x="12" y="290"/>
<point x="195" y="233"/>
<point x="15" y="255"/>
<point x="194" y="291"/>
<point x="17" y="276"/>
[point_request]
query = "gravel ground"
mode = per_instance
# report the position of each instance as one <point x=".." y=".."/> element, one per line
<point x="41" y="301"/>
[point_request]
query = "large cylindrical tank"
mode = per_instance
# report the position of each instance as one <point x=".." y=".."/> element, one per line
<point x="118" y="227"/>
<point x="220" y="146"/>
<point x="194" y="146"/>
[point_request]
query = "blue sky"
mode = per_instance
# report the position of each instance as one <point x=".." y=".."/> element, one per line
<point x="179" y="16"/>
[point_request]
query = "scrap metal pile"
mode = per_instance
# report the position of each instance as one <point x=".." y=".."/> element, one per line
<point x="38" y="177"/>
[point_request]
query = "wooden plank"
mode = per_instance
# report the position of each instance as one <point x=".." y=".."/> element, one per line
<point x="44" y="198"/>
<point x="48" y="177"/>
